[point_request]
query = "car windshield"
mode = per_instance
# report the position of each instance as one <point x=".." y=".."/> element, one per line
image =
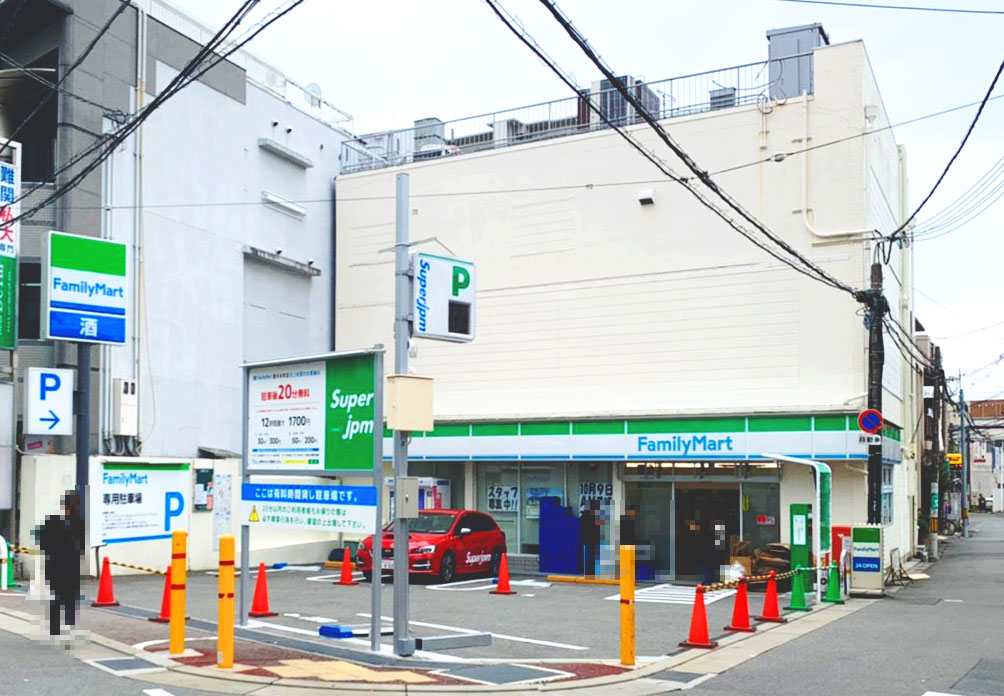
<point x="432" y="522"/>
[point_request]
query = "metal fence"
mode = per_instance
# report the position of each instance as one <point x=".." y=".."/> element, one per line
<point x="664" y="99"/>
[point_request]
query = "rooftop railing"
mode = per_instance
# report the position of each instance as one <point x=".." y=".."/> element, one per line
<point x="431" y="138"/>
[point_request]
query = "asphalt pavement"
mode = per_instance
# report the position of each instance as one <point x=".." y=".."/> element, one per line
<point x="943" y="635"/>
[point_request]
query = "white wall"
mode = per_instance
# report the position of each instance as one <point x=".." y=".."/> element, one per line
<point x="203" y="180"/>
<point x="589" y="303"/>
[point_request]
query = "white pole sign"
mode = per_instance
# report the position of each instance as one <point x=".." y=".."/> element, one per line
<point x="48" y="401"/>
<point x="443" y="298"/>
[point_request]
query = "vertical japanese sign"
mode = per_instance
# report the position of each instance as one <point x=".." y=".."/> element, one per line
<point x="312" y="415"/>
<point x="10" y="208"/>
<point x="85" y="289"/>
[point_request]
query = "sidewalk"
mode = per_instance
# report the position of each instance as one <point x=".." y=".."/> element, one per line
<point x="270" y="664"/>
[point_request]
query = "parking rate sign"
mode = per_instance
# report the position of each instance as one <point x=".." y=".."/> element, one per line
<point x="85" y="289"/>
<point x="312" y="415"/>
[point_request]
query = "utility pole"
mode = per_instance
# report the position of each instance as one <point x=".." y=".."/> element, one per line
<point x="403" y="644"/>
<point x="964" y="448"/>
<point x="83" y="413"/>
<point x="876" y="308"/>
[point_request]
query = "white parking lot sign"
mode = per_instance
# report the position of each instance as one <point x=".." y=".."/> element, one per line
<point x="48" y="401"/>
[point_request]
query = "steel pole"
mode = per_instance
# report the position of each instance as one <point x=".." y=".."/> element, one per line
<point x="376" y="555"/>
<point x="242" y="609"/>
<point x="403" y="645"/>
<point x="964" y="448"/>
<point x="83" y="407"/>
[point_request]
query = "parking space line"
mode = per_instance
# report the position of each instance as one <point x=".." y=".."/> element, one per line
<point x="500" y="636"/>
<point x="254" y="623"/>
<point x="667" y="593"/>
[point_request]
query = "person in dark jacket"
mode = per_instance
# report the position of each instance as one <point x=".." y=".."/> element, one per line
<point x="589" y="530"/>
<point x="61" y="538"/>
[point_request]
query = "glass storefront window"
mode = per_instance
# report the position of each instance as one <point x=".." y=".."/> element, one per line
<point x="761" y="506"/>
<point x="537" y="480"/>
<point x="498" y="495"/>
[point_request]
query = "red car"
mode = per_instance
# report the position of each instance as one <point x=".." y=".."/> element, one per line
<point x="442" y="543"/>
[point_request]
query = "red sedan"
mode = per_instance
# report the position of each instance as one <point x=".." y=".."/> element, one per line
<point x="442" y="543"/>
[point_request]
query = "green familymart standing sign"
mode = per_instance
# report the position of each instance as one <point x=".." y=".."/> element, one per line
<point x="313" y="415"/>
<point x="85" y="291"/>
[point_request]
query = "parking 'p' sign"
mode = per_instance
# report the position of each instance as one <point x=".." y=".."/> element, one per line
<point x="48" y="401"/>
<point x="870" y="421"/>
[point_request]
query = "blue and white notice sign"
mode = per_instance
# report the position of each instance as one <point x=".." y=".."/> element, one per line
<point x="321" y="508"/>
<point x="138" y="500"/>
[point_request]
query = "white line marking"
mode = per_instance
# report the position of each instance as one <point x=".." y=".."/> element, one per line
<point x="254" y="623"/>
<point x="500" y="636"/>
<point x="323" y="578"/>
<point x="157" y="692"/>
<point x="451" y="585"/>
<point x="674" y="594"/>
<point x="955" y="601"/>
<point x="147" y="643"/>
<point x="694" y="682"/>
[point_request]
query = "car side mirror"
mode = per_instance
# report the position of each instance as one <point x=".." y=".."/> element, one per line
<point x="464" y="531"/>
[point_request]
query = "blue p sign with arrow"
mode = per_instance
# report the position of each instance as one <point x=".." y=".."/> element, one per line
<point x="48" y="396"/>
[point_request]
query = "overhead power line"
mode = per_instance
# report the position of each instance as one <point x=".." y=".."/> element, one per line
<point x="814" y="270"/>
<point x="123" y="4"/>
<point x="912" y="8"/>
<point x="951" y="161"/>
<point x="527" y="40"/>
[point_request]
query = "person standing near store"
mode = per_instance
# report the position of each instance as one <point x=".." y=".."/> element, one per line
<point x="61" y="538"/>
<point x="589" y="530"/>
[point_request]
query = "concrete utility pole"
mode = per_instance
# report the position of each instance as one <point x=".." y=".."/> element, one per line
<point x="964" y="448"/>
<point x="403" y="644"/>
<point x="876" y="359"/>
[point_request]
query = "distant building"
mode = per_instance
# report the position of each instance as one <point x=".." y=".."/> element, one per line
<point x="986" y="458"/>
<point x="631" y="348"/>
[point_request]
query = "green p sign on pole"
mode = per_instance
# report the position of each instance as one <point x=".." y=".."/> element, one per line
<point x="85" y="289"/>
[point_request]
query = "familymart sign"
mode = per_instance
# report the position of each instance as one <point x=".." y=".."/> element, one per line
<point x="85" y="289"/>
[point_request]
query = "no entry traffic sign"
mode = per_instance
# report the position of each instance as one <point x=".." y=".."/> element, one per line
<point x="870" y="421"/>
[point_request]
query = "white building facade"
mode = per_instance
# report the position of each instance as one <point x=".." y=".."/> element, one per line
<point x="631" y="349"/>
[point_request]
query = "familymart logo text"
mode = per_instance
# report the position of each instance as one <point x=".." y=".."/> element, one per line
<point x="686" y="444"/>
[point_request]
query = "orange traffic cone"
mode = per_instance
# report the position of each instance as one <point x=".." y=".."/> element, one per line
<point x="503" y="586"/>
<point x="771" y="609"/>
<point x="699" y="624"/>
<point x="741" y="611"/>
<point x="259" y="605"/>
<point x="165" y="603"/>
<point x="346" y="578"/>
<point x="106" y="593"/>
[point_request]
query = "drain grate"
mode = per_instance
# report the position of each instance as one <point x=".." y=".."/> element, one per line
<point x="673" y="675"/>
<point x="122" y="665"/>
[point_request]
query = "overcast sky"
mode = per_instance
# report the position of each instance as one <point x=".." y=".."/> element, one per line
<point x="388" y="62"/>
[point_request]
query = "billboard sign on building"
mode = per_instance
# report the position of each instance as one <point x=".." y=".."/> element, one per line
<point x="139" y="501"/>
<point x="10" y="208"/>
<point x="443" y="300"/>
<point x="315" y="415"/>
<point x="85" y="289"/>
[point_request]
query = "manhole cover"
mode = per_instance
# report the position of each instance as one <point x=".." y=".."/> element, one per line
<point x="124" y="664"/>
<point x="673" y="675"/>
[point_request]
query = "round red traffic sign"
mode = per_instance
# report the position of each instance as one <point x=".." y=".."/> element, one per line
<point x="870" y="420"/>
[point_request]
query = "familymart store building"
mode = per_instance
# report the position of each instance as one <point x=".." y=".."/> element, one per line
<point x="698" y="485"/>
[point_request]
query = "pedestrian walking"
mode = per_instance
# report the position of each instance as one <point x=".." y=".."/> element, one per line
<point x="61" y="538"/>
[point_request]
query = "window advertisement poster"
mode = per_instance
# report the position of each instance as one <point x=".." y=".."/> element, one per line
<point x="139" y="501"/>
<point x="600" y="493"/>
<point x="320" y="508"/>
<point x="503" y="498"/>
<point x="10" y="191"/>
<point x="534" y="495"/>
<point x="202" y="495"/>
<point x="223" y="523"/>
<point x="312" y="415"/>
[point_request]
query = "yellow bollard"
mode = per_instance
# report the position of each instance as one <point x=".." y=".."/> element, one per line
<point x="627" y="605"/>
<point x="179" y="544"/>
<point x="225" y="615"/>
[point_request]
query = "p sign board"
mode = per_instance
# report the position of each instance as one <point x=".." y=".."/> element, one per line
<point x="85" y="289"/>
<point x="443" y="298"/>
<point x="48" y="401"/>
<point x="139" y="501"/>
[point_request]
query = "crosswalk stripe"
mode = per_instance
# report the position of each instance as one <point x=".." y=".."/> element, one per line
<point x="667" y="593"/>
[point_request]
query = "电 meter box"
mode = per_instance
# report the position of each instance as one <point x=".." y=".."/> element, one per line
<point x="867" y="567"/>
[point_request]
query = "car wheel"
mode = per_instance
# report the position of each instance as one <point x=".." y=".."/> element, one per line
<point x="368" y="575"/>
<point x="447" y="568"/>
<point x="496" y="562"/>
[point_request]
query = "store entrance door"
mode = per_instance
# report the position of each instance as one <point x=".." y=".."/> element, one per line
<point x="707" y="518"/>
